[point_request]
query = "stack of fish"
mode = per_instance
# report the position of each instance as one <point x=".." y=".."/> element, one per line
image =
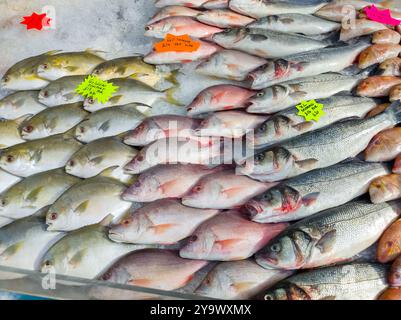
<point x="117" y="193"/>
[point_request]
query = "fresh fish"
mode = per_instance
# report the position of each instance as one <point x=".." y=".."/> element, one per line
<point x="378" y="53"/>
<point x="223" y="18"/>
<point x="229" y="237"/>
<point x="296" y="23"/>
<point x="385" y="188"/>
<point x="356" y="281"/>
<point x="53" y="121"/>
<point x="186" y="3"/>
<point x="160" y="222"/>
<point x="321" y="148"/>
<point x="385" y="146"/>
<point x="378" y="109"/>
<point x="98" y="155"/>
<point x="173" y="11"/>
<point x="360" y="28"/>
<point x="395" y="93"/>
<point x="397" y="165"/>
<point x="239" y="280"/>
<point x="284" y="95"/>
<point x="34" y="193"/>
<point x="151" y="268"/>
<point x="389" y="247"/>
<point x="230" y="64"/>
<point x="7" y="180"/>
<point x="329" y="237"/>
<point x="339" y="9"/>
<point x="135" y="68"/>
<point x="386" y="36"/>
<point x="223" y="190"/>
<point x="19" y="104"/>
<point x="179" y="26"/>
<point x="390" y="67"/>
<point x="9" y="132"/>
<point x="53" y="67"/>
<point x="267" y="43"/>
<point x="86" y="253"/>
<point x="312" y="192"/>
<point x="204" y="51"/>
<point x="219" y="97"/>
<point x="23" y="75"/>
<point x="170" y="181"/>
<point x="87" y="203"/>
<point x="307" y="64"/>
<point x="391" y="294"/>
<point x="130" y="91"/>
<point x="395" y="273"/>
<point x="216" y="4"/>
<point x="111" y="122"/>
<point x="161" y="127"/>
<point x="377" y="86"/>
<point x="61" y="91"/>
<point x="28" y="158"/>
<point x="230" y="124"/>
<point x="194" y="150"/>
<point x="260" y="9"/>
<point x="288" y="124"/>
<point x="23" y="244"/>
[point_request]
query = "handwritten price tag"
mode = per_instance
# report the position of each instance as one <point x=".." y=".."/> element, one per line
<point x="93" y="87"/>
<point x="310" y="110"/>
<point x="382" y="16"/>
<point x="177" y="44"/>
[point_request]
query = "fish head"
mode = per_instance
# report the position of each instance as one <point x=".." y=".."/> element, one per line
<point x="52" y="95"/>
<point x="8" y="81"/>
<point x="210" y="125"/>
<point x="377" y="146"/>
<point x="146" y="187"/>
<point x="203" y="192"/>
<point x="286" y="291"/>
<point x="159" y="29"/>
<point x="138" y="164"/>
<point x="218" y="283"/>
<point x="201" y="103"/>
<point x="268" y="97"/>
<point x="274" y="70"/>
<point x="200" y="244"/>
<point x="144" y="133"/>
<point x="230" y="36"/>
<point x="272" y="129"/>
<point x="124" y="229"/>
<point x="34" y="128"/>
<point x="287" y="251"/>
<point x="16" y="158"/>
<point x="80" y="163"/>
<point x="51" y="69"/>
<point x="384" y="189"/>
<point x="56" y="219"/>
<point x="91" y="104"/>
<point x="87" y="131"/>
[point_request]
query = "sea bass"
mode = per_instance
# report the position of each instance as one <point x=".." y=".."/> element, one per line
<point x="287" y="94"/>
<point x="307" y="64"/>
<point x="98" y="155"/>
<point x="9" y="132"/>
<point x="34" y="193"/>
<point x="239" y="280"/>
<point x="53" y="67"/>
<point x="321" y="148"/>
<point x="7" y="180"/>
<point x="223" y="190"/>
<point x="288" y="124"/>
<point x="267" y="43"/>
<point x="356" y="281"/>
<point x="312" y="192"/>
<point x="160" y="222"/>
<point x="111" y="121"/>
<point x="331" y="236"/>
<point x="385" y="146"/>
<point x="40" y="155"/>
<point x="385" y="188"/>
<point x="230" y="64"/>
<point x="53" y="121"/>
<point x="389" y="247"/>
<point x="86" y="203"/>
<point x="61" y="91"/>
<point x="161" y="127"/>
<point x="305" y="24"/>
<point x="223" y="18"/>
<point x="260" y="9"/>
<point x="167" y="181"/>
<point x="228" y="237"/>
<point x="19" y="104"/>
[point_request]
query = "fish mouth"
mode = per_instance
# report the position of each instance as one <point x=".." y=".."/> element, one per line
<point x="266" y="261"/>
<point x="253" y="209"/>
<point x="115" y="236"/>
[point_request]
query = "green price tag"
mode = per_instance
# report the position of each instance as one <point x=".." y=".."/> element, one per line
<point x="310" y="110"/>
<point x="93" y="87"/>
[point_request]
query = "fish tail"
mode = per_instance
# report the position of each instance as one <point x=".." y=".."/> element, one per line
<point x="394" y="110"/>
<point x="170" y="96"/>
<point x="172" y="77"/>
<point x="331" y="38"/>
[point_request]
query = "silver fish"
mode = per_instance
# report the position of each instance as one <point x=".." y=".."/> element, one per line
<point x="296" y="23"/>
<point x="267" y="43"/>
<point x="19" y="104"/>
<point x="288" y="124"/>
<point x="307" y="64"/>
<point x="356" y="281"/>
<point x="9" y="132"/>
<point x="331" y="236"/>
<point x="321" y="148"/>
<point x="312" y="192"/>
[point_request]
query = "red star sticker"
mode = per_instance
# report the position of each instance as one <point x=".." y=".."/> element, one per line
<point x="36" y="21"/>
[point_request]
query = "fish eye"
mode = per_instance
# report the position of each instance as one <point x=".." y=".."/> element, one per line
<point x="267" y="196"/>
<point x="275" y="247"/>
<point x="126" y="221"/>
<point x="260" y="94"/>
<point x="268" y="297"/>
<point x="47" y="263"/>
<point x="197" y="188"/>
<point x="10" y="158"/>
<point x="193" y="238"/>
<point x="45" y="93"/>
<point x="3" y="202"/>
<point x="82" y="129"/>
<point x="260" y="157"/>
<point x="6" y="79"/>
<point x="227" y="30"/>
<point x="45" y="66"/>
<point x="96" y="71"/>
<point x="139" y="128"/>
<point x="139" y="158"/>
<point x="262" y="128"/>
<point x="28" y="129"/>
<point x="147" y="28"/>
<point x="53" y="216"/>
<point x="71" y="163"/>
<point x="91" y="101"/>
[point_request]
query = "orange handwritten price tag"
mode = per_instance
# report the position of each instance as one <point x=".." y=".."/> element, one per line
<point x="177" y="44"/>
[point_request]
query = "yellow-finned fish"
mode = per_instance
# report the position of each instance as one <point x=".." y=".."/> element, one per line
<point x="19" y="104"/>
<point x="9" y="132"/>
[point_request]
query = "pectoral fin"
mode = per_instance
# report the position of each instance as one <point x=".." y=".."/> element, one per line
<point x="258" y="37"/>
<point x="105" y="126"/>
<point x="12" y="250"/>
<point x="228" y="243"/>
<point x="115" y="99"/>
<point x="307" y="163"/>
<point x="77" y="258"/>
<point x="310" y="199"/>
<point x="303" y="126"/>
<point x="327" y="242"/>
<point x="72" y="68"/>
<point x="33" y="195"/>
<point x="82" y="207"/>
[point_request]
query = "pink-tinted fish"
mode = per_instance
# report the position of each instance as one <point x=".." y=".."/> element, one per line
<point x="224" y="18"/>
<point x="385" y="146"/>
<point x="173" y="11"/>
<point x="185" y="3"/>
